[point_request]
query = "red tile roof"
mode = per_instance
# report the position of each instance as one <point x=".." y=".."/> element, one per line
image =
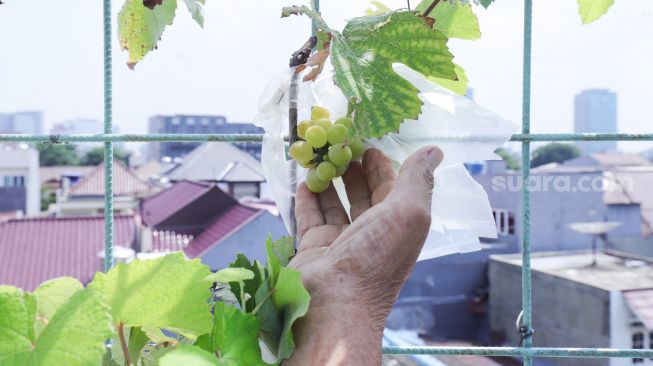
<point x="224" y="225"/>
<point x="125" y="183"/>
<point x="641" y="303"/>
<point x="157" y="208"/>
<point x="37" y="249"/>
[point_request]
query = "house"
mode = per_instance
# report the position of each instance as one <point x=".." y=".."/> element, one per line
<point x="19" y="179"/>
<point x="235" y="171"/>
<point x="33" y="250"/>
<point x="205" y="222"/>
<point x="86" y="196"/>
<point x="577" y="304"/>
<point x="57" y="179"/>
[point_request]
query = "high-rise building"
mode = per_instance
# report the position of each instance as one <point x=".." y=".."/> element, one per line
<point x="29" y="122"/>
<point x="595" y="112"/>
<point x="197" y="124"/>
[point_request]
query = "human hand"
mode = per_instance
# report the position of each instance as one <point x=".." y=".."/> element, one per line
<point x="354" y="271"/>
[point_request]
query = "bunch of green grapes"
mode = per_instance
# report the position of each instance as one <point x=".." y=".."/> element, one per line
<point x="325" y="148"/>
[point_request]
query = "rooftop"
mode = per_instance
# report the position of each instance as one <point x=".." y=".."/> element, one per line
<point x="155" y="209"/>
<point x="125" y="183"/>
<point x="614" y="271"/>
<point x="38" y="249"/>
<point x="210" y="161"/>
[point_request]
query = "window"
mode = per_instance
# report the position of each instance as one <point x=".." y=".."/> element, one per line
<point x="12" y="181"/>
<point x="505" y="221"/>
<point x="638" y="343"/>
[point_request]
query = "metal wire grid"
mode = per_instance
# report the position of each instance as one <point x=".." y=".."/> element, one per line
<point x="526" y="350"/>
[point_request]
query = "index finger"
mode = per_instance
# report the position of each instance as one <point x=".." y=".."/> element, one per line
<point x="307" y="210"/>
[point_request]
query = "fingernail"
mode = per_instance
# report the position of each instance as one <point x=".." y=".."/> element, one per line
<point x="434" y="157"/>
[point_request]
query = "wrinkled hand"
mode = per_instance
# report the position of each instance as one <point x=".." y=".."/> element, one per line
<point x="354" y="271"/>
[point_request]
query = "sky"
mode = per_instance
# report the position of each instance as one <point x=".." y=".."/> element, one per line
<point x="51" y="60"/>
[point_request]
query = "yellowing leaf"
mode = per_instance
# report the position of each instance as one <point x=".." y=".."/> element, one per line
<point x="591" y="10"/>
<point x="140" y="28"/>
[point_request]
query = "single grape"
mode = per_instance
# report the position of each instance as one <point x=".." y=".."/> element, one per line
<point x="316" y="136"/>
<point x="302" y="127"/>
<point x="326" y="171"/>
<point x="324" y="123"/>
<point x="339" y="154"/>
<point x="306" y="164"/>
<point x="345" y="121"/>
<point x="318" y="112"/>
<point x="314" y="183"/>
<point x="357" y="148"/>
<point x="337" y="134"/>
<point x="301" y="151"/>
<point x="340" y="170"/>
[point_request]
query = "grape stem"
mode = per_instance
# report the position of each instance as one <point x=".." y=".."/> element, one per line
<point x="430" y="8"/>
<point x="123" y="344"/>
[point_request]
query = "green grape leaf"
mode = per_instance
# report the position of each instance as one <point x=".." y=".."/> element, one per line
<point x="235" y="350"/>
<point x="189" y="355"/>
<point x="485" y="3"/>
<point x="457" y="86"/>
<point x="270" y="331"/>
<point x="279" y="254"/>
<point x="363" y="56"/>
<point x="453" y="18"/>
<point x="169" y="292"/>
<point x="591" y="10"/>
<point x="140" y="28"/>
<point x="74" y="336"/>
<point x="152" y="354"/>
<point x="195" y="9"/>
<point x="50" y="295"/>
<point x="229" y="275"/>
<point x="252" y="284"/>
<point x="291" y="300"/>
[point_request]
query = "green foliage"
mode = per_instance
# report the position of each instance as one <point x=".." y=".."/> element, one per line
<point x="453" y="18"/>
<point x="553" y="153"/>
<point x="62" y="323"/>
<point x="511" y="159"/>
<point x="457" y="86"/>
<point x="591" y="10"/>
<point x="57" y="154"/>
<point x="168" y="292"/>
<point x="74" y="335"/>
<point x="363" y="56"/>
<point x="96" y="156"/>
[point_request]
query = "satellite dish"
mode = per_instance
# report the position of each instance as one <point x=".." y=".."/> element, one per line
<point x="596" y="229"/>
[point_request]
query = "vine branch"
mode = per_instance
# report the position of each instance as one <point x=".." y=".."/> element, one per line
<point x="430" y="8"/>
<point x="287" y="11"/>
<point x="123" y="344"/>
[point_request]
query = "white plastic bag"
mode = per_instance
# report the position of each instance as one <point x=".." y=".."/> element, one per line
<point x="461" y="212"/>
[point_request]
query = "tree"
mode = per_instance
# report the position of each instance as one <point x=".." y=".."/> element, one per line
<point x="57" y="154"/>
<point x="553" y="153"/>
<point x="96" y="156"/>
<point x="511" y="159"/>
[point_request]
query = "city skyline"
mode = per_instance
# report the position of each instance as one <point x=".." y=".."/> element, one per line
<point x="567" y="58"/>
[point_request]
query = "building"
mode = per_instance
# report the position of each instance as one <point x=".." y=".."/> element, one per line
<point x="595" y="111"/>
<point x="83" y="126"/>
<point x="19" y="179"/>
<point x="197" y="124"/>
<point x="83" y="196"/>
<point x="34" y="250"/>
<point x="576" y="304"/>
<point x="235" y="171"/>
<point x="207" y="223"/>
<point x="28" y="122"/>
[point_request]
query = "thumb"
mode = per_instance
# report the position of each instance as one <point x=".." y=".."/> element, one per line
<point x="415" y="180"/>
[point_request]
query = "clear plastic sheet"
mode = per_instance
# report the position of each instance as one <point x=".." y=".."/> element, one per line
<point x="461" y="212"/>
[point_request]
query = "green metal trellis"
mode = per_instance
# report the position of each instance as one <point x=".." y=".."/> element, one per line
<point x="526" y="351"/>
